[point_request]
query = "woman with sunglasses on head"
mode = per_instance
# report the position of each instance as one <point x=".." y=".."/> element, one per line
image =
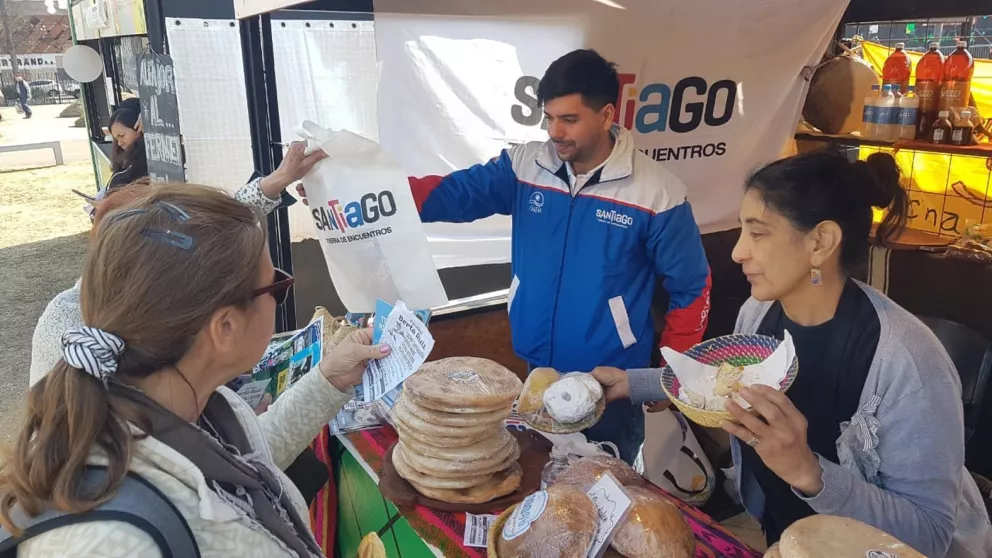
<point x="179" y="296"/>
<point x="128" y="161"/>
<point x="872" y="428"/>
<point x="63" y="312"/>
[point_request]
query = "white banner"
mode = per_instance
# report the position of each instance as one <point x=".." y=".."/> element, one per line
<point x="710" y="88"/>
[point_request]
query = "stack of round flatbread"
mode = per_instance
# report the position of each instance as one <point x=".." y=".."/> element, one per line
<point x="453" y="444"/>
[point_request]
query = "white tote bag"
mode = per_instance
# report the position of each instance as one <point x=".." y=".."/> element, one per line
<point x="674" y="460"/>
<point x="367" y="224"/>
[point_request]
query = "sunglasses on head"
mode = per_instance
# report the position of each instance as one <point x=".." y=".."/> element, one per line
<point x="282" y="282"/>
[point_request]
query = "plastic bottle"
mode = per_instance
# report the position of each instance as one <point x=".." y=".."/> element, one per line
<point x="940" y="132"/>
<point x="963" y="132"/>
<point x="869" y="116"/>
<point x="929" y="75"/>
<point x="558" y="463"/>
<point x="888" y="116"/>
<point x="958" y="69"/>
<point x="909" y="109"/>
<point x="897" y="69"/>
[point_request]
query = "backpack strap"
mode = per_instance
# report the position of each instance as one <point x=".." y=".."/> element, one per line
<point x="137" y="503"/>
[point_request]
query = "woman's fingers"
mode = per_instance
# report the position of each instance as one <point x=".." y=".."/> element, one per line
<point x="762" y="405"/>
<point x="781" y="401"/>
<point x="741" y="432"/>
<point x="748" y="420"/>
<point x="302" y="193"/>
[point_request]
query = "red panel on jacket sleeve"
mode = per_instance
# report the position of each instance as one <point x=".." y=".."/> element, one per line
<point x="422" y="188"/>
<point x="684" y="327"/>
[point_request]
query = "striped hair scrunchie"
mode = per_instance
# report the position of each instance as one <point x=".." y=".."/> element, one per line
<point x="93" y="350"/>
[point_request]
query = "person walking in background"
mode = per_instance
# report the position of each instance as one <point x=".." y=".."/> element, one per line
<point x="23" y="95"/>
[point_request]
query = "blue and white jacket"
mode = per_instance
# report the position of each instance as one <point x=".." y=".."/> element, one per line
<point x="584" y="266"/>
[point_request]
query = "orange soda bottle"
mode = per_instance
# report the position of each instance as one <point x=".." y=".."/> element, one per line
<point x="958" y="69"/>
<point x="929" y="75"/>
<point x="897" y="69"/>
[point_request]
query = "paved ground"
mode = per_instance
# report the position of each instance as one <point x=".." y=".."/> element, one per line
<point x="43" y="126"/>
<point x="42" y="239"/>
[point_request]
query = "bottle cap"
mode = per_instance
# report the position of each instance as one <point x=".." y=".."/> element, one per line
<point x="876" y="87"/>
<point x="944" y="114"/>
<point x="887" y="87"/>
<point x="900" y="46"/>
<point x="966" y="114"/>
<point x="962" y="44"/>
<point x="912" y="88"/>
<point x="934" y="45"/>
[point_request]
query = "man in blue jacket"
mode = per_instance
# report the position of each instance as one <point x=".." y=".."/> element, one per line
<point x="595" y="221"/>
<point x="23" y="95"/>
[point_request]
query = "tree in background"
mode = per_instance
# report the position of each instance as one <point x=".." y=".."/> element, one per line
<point x="7" y="46"/>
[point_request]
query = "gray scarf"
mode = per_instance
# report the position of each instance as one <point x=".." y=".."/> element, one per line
<point x="231" y="467"/>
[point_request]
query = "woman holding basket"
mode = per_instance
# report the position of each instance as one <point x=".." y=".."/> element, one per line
<point x="872" y="428"/>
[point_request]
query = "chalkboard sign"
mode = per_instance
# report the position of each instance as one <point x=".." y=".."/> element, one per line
<point x="160" y="118"/>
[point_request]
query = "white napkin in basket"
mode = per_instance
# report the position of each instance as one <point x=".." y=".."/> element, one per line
<point x="700" y="378"/>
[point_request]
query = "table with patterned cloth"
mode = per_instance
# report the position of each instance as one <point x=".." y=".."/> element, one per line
<point x="417" y="532"/>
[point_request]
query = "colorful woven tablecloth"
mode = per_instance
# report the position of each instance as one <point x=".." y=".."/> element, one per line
<point x="446" y="530"/>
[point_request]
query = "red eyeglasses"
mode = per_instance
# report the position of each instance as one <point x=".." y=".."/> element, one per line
<point x="282" y="282"/>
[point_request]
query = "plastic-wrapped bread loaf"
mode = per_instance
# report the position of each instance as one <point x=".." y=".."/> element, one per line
<point x="827" y="536"/>
<point x="532" y="396"/>
<point x="463" y="384"/>
<point x="496" y="486"/>
<point x="653" y="528"/>
<point x="587" y="471"/>
<point x="458" y="420"/>
<point x="573" y="398"/>
<point x="560" y="521"/>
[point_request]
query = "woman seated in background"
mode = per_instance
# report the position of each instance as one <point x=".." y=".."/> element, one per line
<point x="127" y="156"/>
<point x="63" y="312"/>
<point x="178" y="297"/>
<point x="872" y="428"/>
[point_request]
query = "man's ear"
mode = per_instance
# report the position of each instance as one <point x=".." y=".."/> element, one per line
<point x="609" y="112"/>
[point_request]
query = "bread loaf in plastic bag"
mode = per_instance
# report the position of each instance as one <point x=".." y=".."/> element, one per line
<point x="654" y="527"/>
<point x="585" y="472"/>
<point x="560" y="521"/>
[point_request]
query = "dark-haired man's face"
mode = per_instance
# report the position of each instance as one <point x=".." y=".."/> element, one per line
<point x="578" y="132"/>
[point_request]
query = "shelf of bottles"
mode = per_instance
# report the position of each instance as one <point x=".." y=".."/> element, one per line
<point x="931" y="127"/>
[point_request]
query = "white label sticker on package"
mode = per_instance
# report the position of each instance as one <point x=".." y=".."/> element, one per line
<point x="410" y="341"/>
<point x="612" y="504"/>
<point x="880" y="554"/>
<point x="477" y="530"/>
<point x="526" y="513"/>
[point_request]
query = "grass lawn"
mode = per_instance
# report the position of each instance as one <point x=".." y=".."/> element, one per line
<point x="38" y="204"/>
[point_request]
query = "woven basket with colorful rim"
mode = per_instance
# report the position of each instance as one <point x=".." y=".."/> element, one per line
<point x="741" y="349"/>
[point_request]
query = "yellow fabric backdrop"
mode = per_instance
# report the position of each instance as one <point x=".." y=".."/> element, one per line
<point x="947" y="192"/>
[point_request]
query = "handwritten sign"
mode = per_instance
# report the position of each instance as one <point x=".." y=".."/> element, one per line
<point x="612" y="504"/>
<point x="160" y="118"/>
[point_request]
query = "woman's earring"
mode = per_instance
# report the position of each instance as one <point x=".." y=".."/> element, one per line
<point x="816" y="277"/>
